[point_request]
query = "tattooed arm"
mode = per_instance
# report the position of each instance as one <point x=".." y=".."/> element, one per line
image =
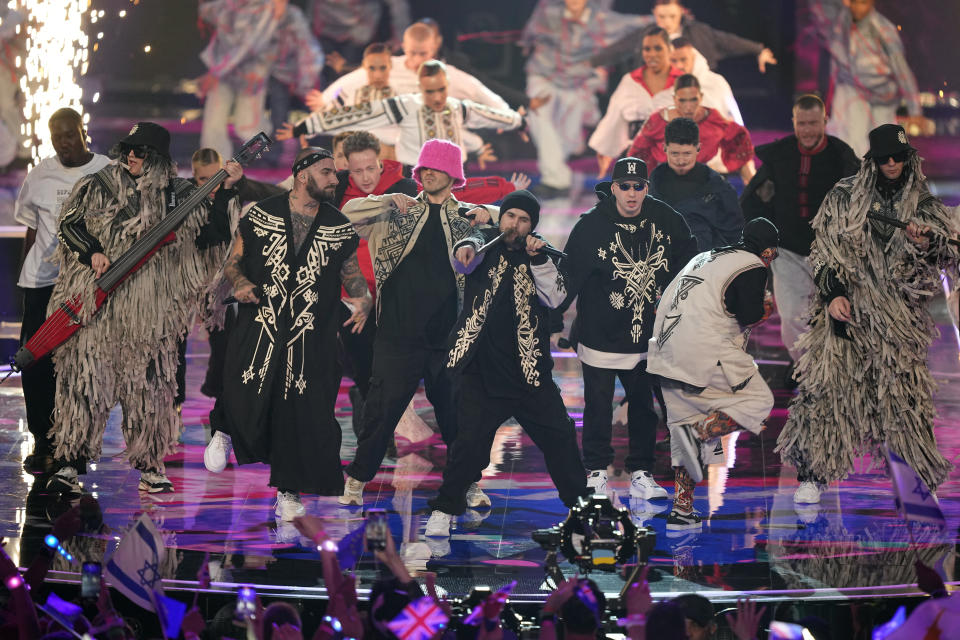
<point x="243" y="289"/>
<point x="358" y="299"/>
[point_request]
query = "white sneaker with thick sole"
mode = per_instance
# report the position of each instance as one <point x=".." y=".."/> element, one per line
<point x="438" y="526"/>
<point x="217" y="453"/>
<point x="642" y="485"/>
<point x="155" y="482"/>
<point x="597" y="481"/>
<point x="352" y="492"/>
<point x="476" y="498"/>
<point x="288" y="505"/>
<point x="807" y="493"/>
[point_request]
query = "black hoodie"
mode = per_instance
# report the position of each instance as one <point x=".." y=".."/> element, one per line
<point x="618" y="267"/>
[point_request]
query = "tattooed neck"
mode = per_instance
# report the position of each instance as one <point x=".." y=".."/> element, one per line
<point x="303" y="204"/>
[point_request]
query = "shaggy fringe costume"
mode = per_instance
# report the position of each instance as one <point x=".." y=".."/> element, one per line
<point x="127" y="353"/>
<point x="869" y="384"/>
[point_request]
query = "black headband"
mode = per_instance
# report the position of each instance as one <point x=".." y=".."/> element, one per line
<point x="313" y="158"/>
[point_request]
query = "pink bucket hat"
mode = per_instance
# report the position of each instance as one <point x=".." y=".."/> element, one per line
<point x="441" y="155"/>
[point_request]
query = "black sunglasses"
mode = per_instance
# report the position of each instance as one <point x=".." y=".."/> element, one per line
<point x="636" y="186"/>
<point x="899" y="156"/>
<point x="139" y="151"/>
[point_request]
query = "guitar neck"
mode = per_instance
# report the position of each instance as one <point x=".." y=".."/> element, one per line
<point x="121" y="267"/>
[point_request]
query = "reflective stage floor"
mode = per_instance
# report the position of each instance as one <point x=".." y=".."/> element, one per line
<point x="753" y="538"/>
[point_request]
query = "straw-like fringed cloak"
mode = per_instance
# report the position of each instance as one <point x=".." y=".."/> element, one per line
<point x="869" y="384"/>
<point x="127" y="353"/>
<point x="281" y="373"/>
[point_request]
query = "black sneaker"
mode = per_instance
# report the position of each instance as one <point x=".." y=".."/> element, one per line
<point x="155" y="482"/>
<point x="678" y="521"/>
<point x="65" y="482"/>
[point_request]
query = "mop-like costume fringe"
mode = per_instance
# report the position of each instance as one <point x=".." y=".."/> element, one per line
<point x="127" y="353"/>
<point x="872" y="386"/>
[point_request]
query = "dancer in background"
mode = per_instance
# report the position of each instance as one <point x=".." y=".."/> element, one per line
<point x="868" y="69"/>
<point x="796" y="174"/>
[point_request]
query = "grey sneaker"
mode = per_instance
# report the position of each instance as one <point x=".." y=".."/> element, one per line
<point x="217" y="453"/>
<point x="642" y="485"/>
<point x="352" y="492"/>
<point x="438" y="526"/>
<point x="597" y="481"/>
<point x="476" y="498"/>
<point x="288" y="505"/>
<point x="155" y="482"/>
<point x="807" y="493"/>
<point x="65" y="481"/>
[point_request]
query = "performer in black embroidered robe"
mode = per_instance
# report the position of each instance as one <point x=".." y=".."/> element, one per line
<point x="500" y="360"/>
<point x="291" y="254"/>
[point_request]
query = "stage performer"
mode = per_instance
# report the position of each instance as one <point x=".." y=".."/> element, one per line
<point x="711" y="385"/>
<point x="701" y="195"/>
<point x="562" y="37"/>
<point x="725" y="146"/>
<point x="623" y="253"/>
<point x="796" y="174"/>
<point x="863" y="375"/>
<point x="500" y="358"/>
<point x="868" y="69"/>
<point x="127" y="353"/>
<point x="418" y="293"/>
<point x="281" y="376"/>
<point x="37" y="207"/>
<point x="646" y="89"/>
<point x="420" y="116"/>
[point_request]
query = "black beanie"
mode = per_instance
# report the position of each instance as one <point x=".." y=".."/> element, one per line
<point x="525" y="201"/>
<point x="759" y="234"/>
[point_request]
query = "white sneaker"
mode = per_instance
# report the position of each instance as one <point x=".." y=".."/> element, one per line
<point x="217" y="453"/>
<point x="155" y="482"/>
<point x="438" y="526"/>
<point x="807" y="493"/>
<point x="476" y="498"/>
<point x="642" y="485"/>
<point x="597" y="481"/>
<point x="352" y="492"/>
<point x="289" y="505"/>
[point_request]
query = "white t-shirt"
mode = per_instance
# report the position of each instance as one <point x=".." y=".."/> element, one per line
<point x="38" y="204"/>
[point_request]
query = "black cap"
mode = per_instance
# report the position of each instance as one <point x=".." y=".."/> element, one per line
<point x="760" y="234"/>
<point x="151" y="135"/>
<point x="525" y="201"/>
<point x="887" y="140"/>
<point x="630" y="169"/>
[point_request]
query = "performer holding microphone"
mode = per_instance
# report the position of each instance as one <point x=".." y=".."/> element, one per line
<point x="500" y="357"/>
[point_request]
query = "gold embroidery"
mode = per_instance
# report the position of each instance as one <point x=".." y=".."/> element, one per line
<point x="639" y="278"/>
<point x="527" y="342"/>
<point x="471" y="329"/>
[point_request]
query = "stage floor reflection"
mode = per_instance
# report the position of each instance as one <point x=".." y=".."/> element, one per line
<point x="753" y="539"/>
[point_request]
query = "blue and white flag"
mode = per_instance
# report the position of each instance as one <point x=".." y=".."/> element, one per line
<point x="134" y="568"/>
<point x="915" y="501"/>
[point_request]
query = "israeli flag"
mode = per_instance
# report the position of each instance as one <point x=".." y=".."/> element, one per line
<point x="134" y="568"/>
<point x="915" y="501"/>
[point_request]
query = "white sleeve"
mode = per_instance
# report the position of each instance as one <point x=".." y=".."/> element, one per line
<point x="612" y="134"/>
<point x="366" y="116"/>
<point x="464" y="86"/>
<point x="549" y="282"/>
<point x="24" y="210"/>
<point x="480" y="116"/>
<point x="345" y="88"/>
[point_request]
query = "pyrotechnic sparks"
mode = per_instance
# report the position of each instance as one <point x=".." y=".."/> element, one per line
<point x="56" y="58"/>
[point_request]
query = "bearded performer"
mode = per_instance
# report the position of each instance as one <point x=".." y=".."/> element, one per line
<point x="281" y="376"/>
<point x="127" y="353"/>
<point x="863" y="376"/>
